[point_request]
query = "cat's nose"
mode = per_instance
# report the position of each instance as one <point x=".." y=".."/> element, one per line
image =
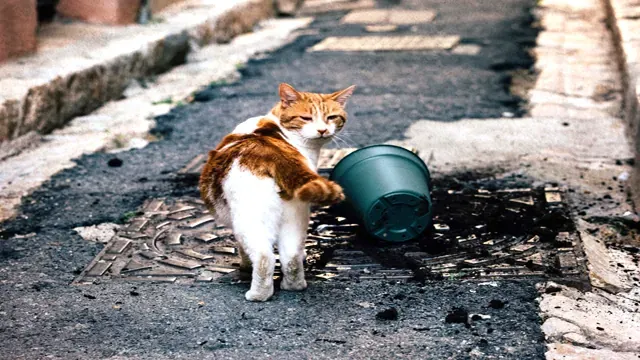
<point x="322" y="132"/>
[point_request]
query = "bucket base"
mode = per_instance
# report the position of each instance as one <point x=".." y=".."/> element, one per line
<point x="399" y="217"/>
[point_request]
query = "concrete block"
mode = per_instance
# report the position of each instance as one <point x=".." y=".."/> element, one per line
<point x="288" y="7"/>
<point x="158" y="5"/>
<point x="18" y="23"/>
<point x="113" y="12"/>
<point x="603" y="322"/>
<point x="571" y="352"/>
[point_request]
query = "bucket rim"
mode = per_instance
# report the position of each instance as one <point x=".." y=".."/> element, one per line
<point x="423" y="166"/>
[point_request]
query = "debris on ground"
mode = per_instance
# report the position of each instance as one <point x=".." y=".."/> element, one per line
<point x="388" y="314"/>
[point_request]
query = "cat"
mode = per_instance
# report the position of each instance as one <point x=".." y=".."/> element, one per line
<point x="261" y="180"/>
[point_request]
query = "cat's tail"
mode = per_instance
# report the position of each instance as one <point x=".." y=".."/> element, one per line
<point x="320" y="191"/>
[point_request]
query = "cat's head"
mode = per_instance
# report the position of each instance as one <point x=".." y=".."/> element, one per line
<point x="310" y="115"/>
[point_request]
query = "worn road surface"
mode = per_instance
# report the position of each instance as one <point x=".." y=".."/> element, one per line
<point x="43" y="316"/>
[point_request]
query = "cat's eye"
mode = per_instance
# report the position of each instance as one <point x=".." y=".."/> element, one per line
<point x="333" y="117"/>
<point x="306" y="118"/>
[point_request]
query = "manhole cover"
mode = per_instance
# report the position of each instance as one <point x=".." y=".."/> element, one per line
<point x="386" y="43"/>
<point x="484" y="229"/>
<point x="385" y="16"/>
<point x="172" y="240"/>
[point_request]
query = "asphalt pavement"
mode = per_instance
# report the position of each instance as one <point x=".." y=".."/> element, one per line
<point x="43" y="316"/>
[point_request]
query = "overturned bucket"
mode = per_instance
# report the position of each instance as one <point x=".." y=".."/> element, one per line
<point x="388" y="189"/>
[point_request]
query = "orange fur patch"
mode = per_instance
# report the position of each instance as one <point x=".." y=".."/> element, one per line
<point x="307" y="105"/>
<point x="266" y="153"/>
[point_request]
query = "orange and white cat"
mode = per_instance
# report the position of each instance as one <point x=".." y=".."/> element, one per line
<point x="261" y="180"/>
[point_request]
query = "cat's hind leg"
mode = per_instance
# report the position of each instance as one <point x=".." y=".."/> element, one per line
<point x="262" y="264"/>
<point x="256" y="211"/>
<point x="245" y="261"/>
<point x="293" y="232"/>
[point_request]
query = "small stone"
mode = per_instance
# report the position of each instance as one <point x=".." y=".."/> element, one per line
<point x="100" y="233"/>
<point x="496" y="304"/>
<point x="554" y="328"/>
<point x="575" y="338"/>
<point x="388" y="314"/>
<point x="479" y="317"/>
<point x="115" y="162"/>
<point x="457" y="316"/>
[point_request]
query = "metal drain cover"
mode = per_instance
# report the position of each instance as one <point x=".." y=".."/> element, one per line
<point x="170" y="241"/>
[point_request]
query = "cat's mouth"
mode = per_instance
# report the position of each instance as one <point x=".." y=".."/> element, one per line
<point x="322" y="137"/>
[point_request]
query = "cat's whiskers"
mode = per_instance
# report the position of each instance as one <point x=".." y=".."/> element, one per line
<point x="341" y="143"/>
<point x="344" y="140"/>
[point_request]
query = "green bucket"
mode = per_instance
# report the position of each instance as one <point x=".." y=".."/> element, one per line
<point x="388" y="189"/>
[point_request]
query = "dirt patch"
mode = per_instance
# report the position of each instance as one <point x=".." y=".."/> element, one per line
<point x="484" y="227"/>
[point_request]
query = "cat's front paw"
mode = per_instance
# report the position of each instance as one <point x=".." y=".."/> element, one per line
<point x="335" y="195"/>
<point x="258" y="295"/>
<point x="293" y="285"/>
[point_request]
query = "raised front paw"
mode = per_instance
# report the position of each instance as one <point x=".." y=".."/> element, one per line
<point x="338" y="194"/>
<point x="334" y="196"/>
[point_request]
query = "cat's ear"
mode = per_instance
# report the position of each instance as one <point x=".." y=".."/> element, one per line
<point x="288" y="94"/>
<point x="343" y="95"/>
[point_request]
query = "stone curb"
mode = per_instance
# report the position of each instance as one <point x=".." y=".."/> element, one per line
<point x="578" y="82"/>
<point x="623" y="17"/>
<point x="55" y="93"/>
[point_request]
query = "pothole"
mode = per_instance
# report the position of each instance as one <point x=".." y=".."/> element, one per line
<point x="484" y="229"/>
